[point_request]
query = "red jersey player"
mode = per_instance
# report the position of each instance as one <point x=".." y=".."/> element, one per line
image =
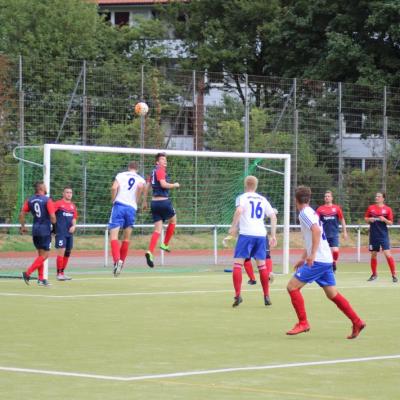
<point x="379" y="216"/>
<point x="330" y="215"/>
<point x="66" y="215"/>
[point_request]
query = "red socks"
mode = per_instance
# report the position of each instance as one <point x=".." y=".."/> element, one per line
<point x="298" y="304"/>
<point x="268" y="264"/>
<point x="60" y="264"/>
<point x="248" y="266"/>
<point x="35" y="265"/>
<point x="335" y="255"/>
<point x="374" y="265"/>
<point x="169" y="233"/>
<point x="237" y="278"/>
<point x="115" y="250"/>
<point x="264" y="278"/>
<point x="153" y="241"/>
<point x="392" y="265"/>
<point x="124" y="250"/>
<point x="344" y="306"/>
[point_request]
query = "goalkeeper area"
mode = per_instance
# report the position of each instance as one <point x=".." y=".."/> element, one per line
<point x="159" y="335"/>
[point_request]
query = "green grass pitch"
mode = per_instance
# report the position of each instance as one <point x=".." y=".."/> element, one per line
<point x="145" y="335"/>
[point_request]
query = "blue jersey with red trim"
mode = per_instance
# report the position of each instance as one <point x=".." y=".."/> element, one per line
<point x="378" y="229"/>
<point x="330" y="217"/>
<point x="65" y="213"/>
<point x="158" y="174"/>
<point x="40" y="206"/>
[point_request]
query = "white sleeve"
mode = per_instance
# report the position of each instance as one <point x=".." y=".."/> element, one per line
<point x="309" y="217"/>
<point x="268" y="209"/>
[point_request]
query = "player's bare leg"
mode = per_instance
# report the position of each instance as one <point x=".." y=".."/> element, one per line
<point x="168" y="234"/>
<point x="392" y="265"/>
<point x="294" y="289"/>
<point x="153" y="242"/>
<point x="344" y="306"/>
<point x="374" y="266"/>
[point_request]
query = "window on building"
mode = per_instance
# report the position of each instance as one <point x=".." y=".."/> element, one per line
<point x="373" y="163"/>
<point x="353" y="163"/>
<point x="121" y="18"/>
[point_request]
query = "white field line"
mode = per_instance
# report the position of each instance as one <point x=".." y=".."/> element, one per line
<point x="173" y="293"/>
<point x="203" y="372"/>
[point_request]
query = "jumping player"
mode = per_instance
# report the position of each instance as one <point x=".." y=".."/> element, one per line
<point x="126" y="191"/>
<point x="42" y="209"/>
<point x="66" y="215"/>
<point x="315" y="265"/>
<point x="161" y="207"/>
<point x="248" y="219"/>
<point x="330" y="215"/>
<point x="379" y="216"/>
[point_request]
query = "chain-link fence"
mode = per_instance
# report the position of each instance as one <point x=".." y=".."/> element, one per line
<point x="342" y="137"/>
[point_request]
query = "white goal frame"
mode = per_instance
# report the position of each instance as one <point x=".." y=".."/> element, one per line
<point x="48" y="148"/>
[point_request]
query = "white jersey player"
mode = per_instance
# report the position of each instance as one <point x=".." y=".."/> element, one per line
<point x="249" y="218"/>
<point x="308" y="217"/>
<point x="126" y="191"/>
<point x="315" y="265"/>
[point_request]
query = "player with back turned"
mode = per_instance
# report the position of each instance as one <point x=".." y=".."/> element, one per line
<point x="248" y="219"/>
<point x="42" y="209"/>
<point x="126" y="192"/>
<point x="66" y="215"/>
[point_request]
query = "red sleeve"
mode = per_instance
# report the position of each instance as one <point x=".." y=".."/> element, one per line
<point x="75" y="212"/>
<point x="25" y="206"/>
<point x="366" y="215"/>
<point x="340" y="213"/>
<point x="390" y="214"/>
<point x="160" y="174"/>
<point x="50" y="207"/>
<point x="318" y="211"/>
<point x="56" y="205"/>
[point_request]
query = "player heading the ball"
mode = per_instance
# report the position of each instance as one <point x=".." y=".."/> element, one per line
<point x="161" y="206"/>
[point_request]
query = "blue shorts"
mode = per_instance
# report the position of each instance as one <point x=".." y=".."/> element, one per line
<point x="64" y="242"/>
<point x="42" y="242"/>
<point x="322" y="273"/>
<point x="377" y="243"/>
<point x="251" y="247"/>
<point x="267" y="251"/>
<point x="333" y="241"/>
<point x="162" y="210"/>
<point x="122" y="216"/>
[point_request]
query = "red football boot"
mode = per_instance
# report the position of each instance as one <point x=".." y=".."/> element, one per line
<point x="300" y="327"/>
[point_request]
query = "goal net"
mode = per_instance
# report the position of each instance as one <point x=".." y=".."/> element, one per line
<point x="204" y="203"/>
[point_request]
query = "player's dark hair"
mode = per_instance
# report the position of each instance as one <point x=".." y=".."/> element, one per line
<point x="158" y="155"/>
<point x="133" y="165"/>
<point x="383" y="195"/>
<point x="329" y="191"/>
<point x="37" y="185"/>
<point x="67" y="187"/>
<point x="303" y="194"/>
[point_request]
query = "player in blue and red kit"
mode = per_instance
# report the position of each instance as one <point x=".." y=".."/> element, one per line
<point x="379" y="216"/>
<point x="330" y="215"/>
<point x="42" y="209"/>
<point x="66" y="215"/>
<point x="315" y="265"/>
<point x="161" y="206"/>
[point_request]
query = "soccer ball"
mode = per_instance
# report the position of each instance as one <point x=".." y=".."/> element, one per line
<point x="141" y="109"/>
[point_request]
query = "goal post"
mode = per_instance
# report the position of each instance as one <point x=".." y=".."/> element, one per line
<point x="210" y="180"/>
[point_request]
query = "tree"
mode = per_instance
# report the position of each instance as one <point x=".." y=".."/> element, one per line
<point x="339" y="40"/>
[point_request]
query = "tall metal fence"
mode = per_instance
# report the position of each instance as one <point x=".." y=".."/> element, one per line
<point x="342" y="137"/>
